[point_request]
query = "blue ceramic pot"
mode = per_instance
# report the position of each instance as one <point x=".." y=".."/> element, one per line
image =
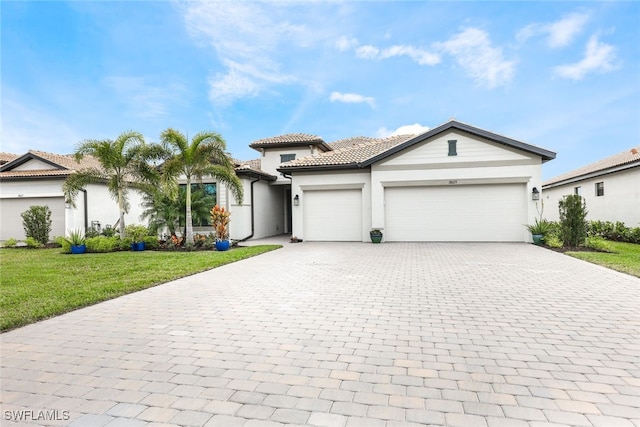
<point x="222" y="245"/>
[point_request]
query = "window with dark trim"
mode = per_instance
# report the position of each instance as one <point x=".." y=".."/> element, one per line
<point x="577" y="190"/>
<point x="287" y="157"/>
<point x="203" y="199"/>
<point x="599" y="189"/>
<point x="453" y="149"/>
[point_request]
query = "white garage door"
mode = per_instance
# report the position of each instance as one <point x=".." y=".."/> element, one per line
<point x="333" y="215"/>
<point x="472" y="213"/>
<point x="11" y="223"/>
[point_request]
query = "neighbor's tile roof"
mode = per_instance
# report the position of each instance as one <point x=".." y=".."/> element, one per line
<point x="351" y="154"/>
<point x="254" y="165"/>
<point x="620" y="159"/>
<point x="287" y="139"/>
<point x="66" y="165"/>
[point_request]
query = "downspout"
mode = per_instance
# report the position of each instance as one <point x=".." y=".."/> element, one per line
<point x="86" y="212"/>
<point x="287" y="176"/>
<point x="252" y="214"/>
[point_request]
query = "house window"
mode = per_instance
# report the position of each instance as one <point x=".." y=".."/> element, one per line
<point x="452" y="147"/>
<point x="577" y="190"/>
<point x="287" y="157"/>
<point x="203" y="199"/>
<point x="599" y="189"/>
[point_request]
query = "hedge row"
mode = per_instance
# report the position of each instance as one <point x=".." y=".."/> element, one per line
<point x="613" y="231"/>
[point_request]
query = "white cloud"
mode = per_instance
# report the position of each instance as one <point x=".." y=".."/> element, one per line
<point x="352" y="98"/>
<point x="598" y="57"/>
<point x="473" y="51"/>
<point x="414" y="129"/>
<point x="420" y="56"/>
<point x="344" y="43"/>
<point x="247" y="38"/>
<point x="559" y="33"/>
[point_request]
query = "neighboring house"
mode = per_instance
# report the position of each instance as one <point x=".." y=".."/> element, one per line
<point x="610" y="187"/>
<point x="455" y="182"/>
<point x="36" y="178"/>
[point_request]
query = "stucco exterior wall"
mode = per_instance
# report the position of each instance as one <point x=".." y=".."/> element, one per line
<point x="621" y="200"/>
<point x="309" y="181"/>
<point x="100" y="205"/>
<point x="477" y="162"/>
<point x="271" y="159"/>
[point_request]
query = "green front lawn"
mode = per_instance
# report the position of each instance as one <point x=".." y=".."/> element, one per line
<point x="625" y="257"/>
<point x="37" y="284"/>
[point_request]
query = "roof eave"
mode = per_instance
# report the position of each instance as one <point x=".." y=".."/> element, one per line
<point x="322" y="144"/>
<point x="594" y="174"/>
<point x="309" y="168"/>
<point x="255" y="174"/>
<point x="546" y="155"/>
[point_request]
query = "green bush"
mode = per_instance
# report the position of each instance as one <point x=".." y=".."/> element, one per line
<point x="10" y="243"/>
<point x="124" y="244"/>
<point x="614" y="231"/>
<point x="108" y="231"/>
<point x="553" y="241"/>
<point x="597" y="243"/>
<point x="151" y="242"/>
<point x="32" y="243"/>
<point x="573" y="222"/>
<point x="37" y="223"/>
<point x="103" y="244"/>
<point x="64" y="244"/>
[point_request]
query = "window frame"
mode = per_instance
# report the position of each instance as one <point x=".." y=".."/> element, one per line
<point x="599" y="186"/>
<point x="453" y="147"/>
<point x="284" y="158"/>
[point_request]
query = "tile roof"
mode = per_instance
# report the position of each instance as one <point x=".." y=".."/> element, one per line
<point x="7" y="157"/>
<point x="287" y="139"/>
<point x="349" y="142"/>
<point x="254" y="166"/>
<point x="600" y="167"/>
<point x="351" y="154"/>
<point x="62" y="165"/>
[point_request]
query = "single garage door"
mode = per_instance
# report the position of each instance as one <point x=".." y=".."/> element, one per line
<point x="471" y="213"/>
<point x="11" y="224"/>
<point x="333" y="215"/>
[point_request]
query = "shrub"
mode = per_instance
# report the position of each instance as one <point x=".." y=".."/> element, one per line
<point x="64" y="244"/>
<point x="32" y="243"/>
<point x="597" y="243"/>
<point x="573" y="223"/>
<point x="103" y="244"/>
<point x="37" y="223"/>
<point x="10" y="243"/>
<point x="124" y="244"/>
<point x="136" y="233"/>
<point x="108" y="231"/>
<point x="553" y="241"/>
<point x="151" y="242"/>
<point x="614" y="231"/>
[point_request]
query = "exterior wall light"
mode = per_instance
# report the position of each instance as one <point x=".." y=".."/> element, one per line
<point x="535" y="194"/>
<point x="296" y="200"/>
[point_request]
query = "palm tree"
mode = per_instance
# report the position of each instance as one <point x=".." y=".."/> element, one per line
<point x="123" y="165"/>
<point x="204" y="156"/>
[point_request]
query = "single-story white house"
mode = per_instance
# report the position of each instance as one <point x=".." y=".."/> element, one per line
<point x="36" y="178"/>
<point x="455" y="182"/>
<point x="610" y="187"/>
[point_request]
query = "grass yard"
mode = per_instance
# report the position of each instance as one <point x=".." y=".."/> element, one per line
<point x="37" y="284"/>
<point x="625" y="257"/>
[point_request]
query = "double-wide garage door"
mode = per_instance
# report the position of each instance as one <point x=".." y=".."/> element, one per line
<point x="333" y="215"/>
<point x="10" y="210"/>
<point x="470" y="213"/>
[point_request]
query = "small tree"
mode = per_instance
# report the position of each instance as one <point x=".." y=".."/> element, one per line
<point x="573" y="220"/>
<point x="37" y="223"/>
<point x="220" y="221"/>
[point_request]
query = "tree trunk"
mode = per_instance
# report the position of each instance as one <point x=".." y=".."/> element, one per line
<point x="121" y="208"/>
<point x="188" y="239"/>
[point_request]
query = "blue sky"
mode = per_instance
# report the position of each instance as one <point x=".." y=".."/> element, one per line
<point x="564" y="76"/>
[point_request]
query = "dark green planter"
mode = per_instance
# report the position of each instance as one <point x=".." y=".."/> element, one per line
<point x="537" y="238"/>
<point x="375" y="237"/>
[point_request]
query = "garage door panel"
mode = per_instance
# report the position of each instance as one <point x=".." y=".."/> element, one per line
<point x="333" y="215"/>
<point x="461" y="213"/>
<point x="11" y="223"/>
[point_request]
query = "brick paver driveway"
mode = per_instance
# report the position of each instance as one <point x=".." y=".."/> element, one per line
<point x="345" y="335"/>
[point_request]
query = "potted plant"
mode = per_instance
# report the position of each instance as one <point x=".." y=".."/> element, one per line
<point x="77" y="241"/>
<point x="136" y="233"/>
<point x="220" y="222"/>
<point x="376" y="235"/>
<point x="539" y="229"/>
